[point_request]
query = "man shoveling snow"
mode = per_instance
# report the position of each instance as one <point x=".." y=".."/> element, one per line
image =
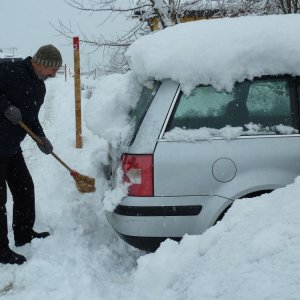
<point x="22" y="92"/>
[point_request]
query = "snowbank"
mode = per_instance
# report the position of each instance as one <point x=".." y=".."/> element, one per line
<point x="251" y="254"/>
<point x="111" y="100"/>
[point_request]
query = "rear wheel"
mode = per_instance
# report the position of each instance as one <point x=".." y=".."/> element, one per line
<point x="256" y="194"/>
<point x="250" y="195"/>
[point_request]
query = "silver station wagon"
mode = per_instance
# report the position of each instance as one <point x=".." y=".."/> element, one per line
<point x="191" y="156"/>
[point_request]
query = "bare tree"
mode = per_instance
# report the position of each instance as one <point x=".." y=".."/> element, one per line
<point x="260" y="7"/>
<point x="147" y="15"/>
<point x="284" y="6"/>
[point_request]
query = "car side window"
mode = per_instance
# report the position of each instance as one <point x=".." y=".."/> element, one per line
<point x="259" y="107"/>
<point x="138" y="113"/>
<point x="204" y="107"/>
<point x="269" y="103"/>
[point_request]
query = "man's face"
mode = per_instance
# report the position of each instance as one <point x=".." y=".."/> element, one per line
<point x="45" y="72"/>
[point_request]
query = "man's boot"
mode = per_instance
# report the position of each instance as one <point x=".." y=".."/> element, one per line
<point x="27" y="238"/>
<point x="7" y="256"/>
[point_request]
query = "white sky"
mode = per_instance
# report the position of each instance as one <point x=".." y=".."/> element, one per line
<point x="26" y="26"/>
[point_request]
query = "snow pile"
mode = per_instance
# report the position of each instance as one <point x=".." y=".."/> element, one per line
<point x="251" y="254"/>
<point x="107" y="115"/>
<point x="110" y="103"/>
<point x="219" y="52"/>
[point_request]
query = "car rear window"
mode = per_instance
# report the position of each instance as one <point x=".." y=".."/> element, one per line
<point x="261" y="104"/>
<point x="138" y="113"/>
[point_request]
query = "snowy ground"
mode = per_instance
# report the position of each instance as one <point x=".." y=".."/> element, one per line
<point x="253" y="254"/>
<point x="83" y="258"/>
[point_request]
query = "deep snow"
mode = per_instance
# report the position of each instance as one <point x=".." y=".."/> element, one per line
<point x="251" y="254"/>
<point x="83" y="258"/>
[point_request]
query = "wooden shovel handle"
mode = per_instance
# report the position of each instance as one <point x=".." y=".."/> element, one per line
<point x="62" y="162"/>
<point x="39" y="141"/>
<point x="31" y="133"/>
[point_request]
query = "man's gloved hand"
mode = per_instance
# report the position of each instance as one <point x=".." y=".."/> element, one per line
<point x="13" y="114"/>
<point x="46" y="147"/>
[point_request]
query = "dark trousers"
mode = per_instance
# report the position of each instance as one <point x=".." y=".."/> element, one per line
<point x="14" y="172"/>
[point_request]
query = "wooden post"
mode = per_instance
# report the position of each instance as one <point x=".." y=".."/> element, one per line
<point x="77" y="92"/>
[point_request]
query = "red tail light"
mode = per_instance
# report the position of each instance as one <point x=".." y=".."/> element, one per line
<point x="138" y="171"/>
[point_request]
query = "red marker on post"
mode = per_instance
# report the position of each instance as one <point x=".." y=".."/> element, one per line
<point x="76" y="42"/>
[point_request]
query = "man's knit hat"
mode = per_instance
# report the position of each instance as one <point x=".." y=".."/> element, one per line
<point x="48" y="56"/>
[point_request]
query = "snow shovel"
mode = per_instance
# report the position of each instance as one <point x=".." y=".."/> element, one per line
<point x="84" y="184"/>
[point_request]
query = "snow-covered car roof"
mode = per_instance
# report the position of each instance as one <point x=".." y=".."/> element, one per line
<point x="219" y="52"/>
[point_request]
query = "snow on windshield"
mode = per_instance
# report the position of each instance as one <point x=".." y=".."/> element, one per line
<point x="219" y="52"/>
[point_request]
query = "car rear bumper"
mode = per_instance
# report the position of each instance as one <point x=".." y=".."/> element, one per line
<point x="149" y="244"/>
<point x="165" y="217"/>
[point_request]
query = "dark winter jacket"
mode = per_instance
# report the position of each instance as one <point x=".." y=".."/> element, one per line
<point x="19" y="86"/>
